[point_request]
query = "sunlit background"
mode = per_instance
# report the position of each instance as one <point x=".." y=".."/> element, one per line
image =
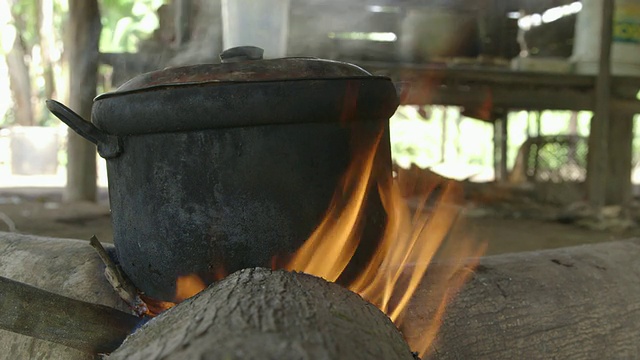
<point x="436" y="137"/>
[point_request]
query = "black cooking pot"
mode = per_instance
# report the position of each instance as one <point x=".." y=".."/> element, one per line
<point x="226" y="165"/>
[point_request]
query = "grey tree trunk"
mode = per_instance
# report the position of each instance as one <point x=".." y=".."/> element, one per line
<point x="47" y="44"/>
<point x="20" y="83"/>
<point x="81" y="43"/>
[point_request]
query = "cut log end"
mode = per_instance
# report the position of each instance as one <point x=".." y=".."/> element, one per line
<point x="259" y="313"/>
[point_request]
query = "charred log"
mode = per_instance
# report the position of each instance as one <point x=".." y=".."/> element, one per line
<point x="263" y="314"/>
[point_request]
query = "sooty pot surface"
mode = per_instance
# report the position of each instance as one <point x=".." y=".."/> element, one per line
<point x="214" y="168"/>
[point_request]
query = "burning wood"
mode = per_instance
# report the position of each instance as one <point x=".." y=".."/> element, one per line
<point x="410" y="238"/>
<point x="536" y="305"/>
<point x="285" y="314"/>
<point x="114" y="275"/>
<point x="410" y="242"/>
<point x="257" y="313"/>
<point x="578" y="302"/>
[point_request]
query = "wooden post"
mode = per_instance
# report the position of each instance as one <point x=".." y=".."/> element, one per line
<point x="504" y="146"/>
<point x="443" y="139"/>
<point x="459" y="120"/>
<point x="500" y="136"/>
<point x="536" y="159"/>
<point x="620" y="151"/>
<point x="573" y="131"/>
<point x="496" y="151"/>
<point x="81" y="42"/>
<point x="597" y="168"/>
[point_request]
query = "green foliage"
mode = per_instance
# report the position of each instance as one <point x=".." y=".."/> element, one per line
<point x="126" y="22"/>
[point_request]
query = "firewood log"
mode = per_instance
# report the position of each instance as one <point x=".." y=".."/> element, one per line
<point x="570" y="303"/>
<point x="578" y="302"/>
<point x="92" y="328"/>
<point x="66" y="267"/>
<point x="264" y="314"/>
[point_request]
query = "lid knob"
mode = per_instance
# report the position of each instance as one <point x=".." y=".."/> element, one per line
<point x="241" y="53"/>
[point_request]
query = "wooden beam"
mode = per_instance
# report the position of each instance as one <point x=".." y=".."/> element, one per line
<point x="442" y="73"/>
<point x="488" y="75"/>
<point x="437" y="84"/>
<point x="500" y="97"/>
<point x="597" y="169"/>
<point x="551" y="98"/>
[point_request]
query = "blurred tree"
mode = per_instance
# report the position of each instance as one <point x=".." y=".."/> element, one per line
<point x="47" y="45"/>
<point x="19" y="79"/>
<point x="81" y="45"/>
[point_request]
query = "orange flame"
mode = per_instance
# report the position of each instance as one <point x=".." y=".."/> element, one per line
<point x="186" y="287"/>
<point x="330" y="247"/>
<point x="410" y="242"/>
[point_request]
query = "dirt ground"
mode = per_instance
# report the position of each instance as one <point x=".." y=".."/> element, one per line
<point x="40" y="212"/>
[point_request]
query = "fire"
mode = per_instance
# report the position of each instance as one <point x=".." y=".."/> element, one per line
<point x="330" y="247"/>
<point x="186" y="287"/>
<point x="411" y="240"/>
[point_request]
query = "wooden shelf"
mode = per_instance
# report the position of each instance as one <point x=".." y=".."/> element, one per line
<point x="501" y="88"/>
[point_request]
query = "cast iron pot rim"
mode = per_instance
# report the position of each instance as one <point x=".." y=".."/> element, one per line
<point x="242" y="104"/>
<point x="116" y="93"/>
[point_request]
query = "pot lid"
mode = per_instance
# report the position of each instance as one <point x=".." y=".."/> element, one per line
<point x="242" y="64"/>
<point x="244" y="90"/>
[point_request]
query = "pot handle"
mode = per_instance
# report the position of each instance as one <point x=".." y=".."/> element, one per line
<point x="109" y="146"/>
